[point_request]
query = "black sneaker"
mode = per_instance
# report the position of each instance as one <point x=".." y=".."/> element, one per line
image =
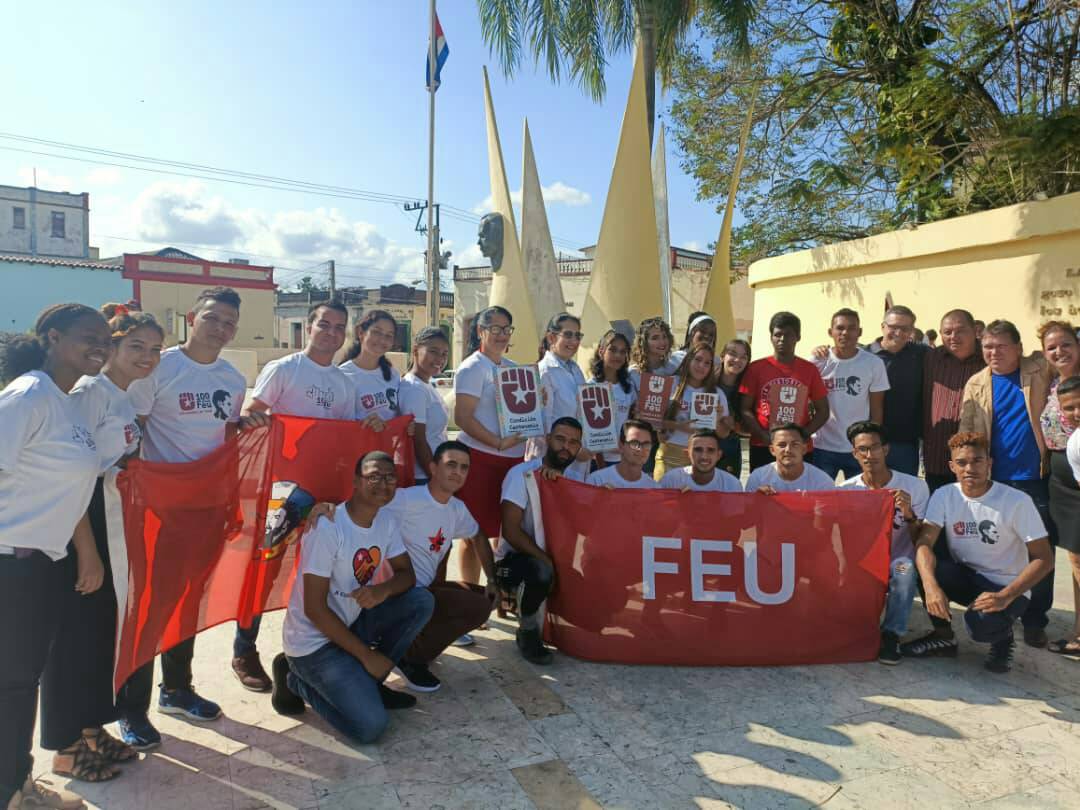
<point x="532" y="647"/>
<point x="418" y="677"/>
<point x="284" y="700"/>
<point x="932" y="645"/>
<point x="1000" y="657"/>
<point x="889" y="653"/>
<point x="392" y="699"/>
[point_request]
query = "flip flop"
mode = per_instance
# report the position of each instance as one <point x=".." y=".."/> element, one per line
<point x="1065" y="646"/>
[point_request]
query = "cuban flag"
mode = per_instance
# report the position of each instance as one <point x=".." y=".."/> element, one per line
<point x="441" y="52"/>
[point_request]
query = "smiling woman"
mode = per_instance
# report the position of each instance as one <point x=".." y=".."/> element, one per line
<point x="377" y="382"/>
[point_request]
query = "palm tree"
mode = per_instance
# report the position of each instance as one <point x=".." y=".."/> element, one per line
<point x="576" y="37"/>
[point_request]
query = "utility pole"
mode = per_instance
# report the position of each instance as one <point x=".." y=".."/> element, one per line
<point x="333" y="279"/>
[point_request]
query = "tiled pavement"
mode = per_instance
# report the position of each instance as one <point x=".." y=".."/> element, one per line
<point x="503" y="734"/>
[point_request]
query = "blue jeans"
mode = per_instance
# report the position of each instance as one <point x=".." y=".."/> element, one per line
<point x="244" y="640"/>
<point x="963" y="586"/>
<point x="1042" y="594"/>
<point x="831" y="462"/>
<point x="903" y="583"/>
<point x="904" y="456"/>
<point x="336" y="685"/>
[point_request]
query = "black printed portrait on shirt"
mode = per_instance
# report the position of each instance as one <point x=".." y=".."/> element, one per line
<point x="988" y="532"/>
<point x="222" y="400"/>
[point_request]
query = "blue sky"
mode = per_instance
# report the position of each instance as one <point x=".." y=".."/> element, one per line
<point x="331" y="94"/>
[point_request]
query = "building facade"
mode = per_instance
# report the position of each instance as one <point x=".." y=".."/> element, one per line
<point x="690" y="272"/>
<point x="34" y="222"/>
<point x="1020" y="262"/>
<point x="32" y="283"/>
<point x="407" y="305"/>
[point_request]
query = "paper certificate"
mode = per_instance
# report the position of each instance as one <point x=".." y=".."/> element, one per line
<point x="704" y="411"/>
<point x="596" y="413"/>
<point x="518" y="401"/>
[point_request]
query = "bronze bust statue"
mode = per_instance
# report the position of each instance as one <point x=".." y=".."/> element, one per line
<point x="491" y="239"/>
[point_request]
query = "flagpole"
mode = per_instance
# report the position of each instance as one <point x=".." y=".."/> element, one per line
<point x="432" y="231"/>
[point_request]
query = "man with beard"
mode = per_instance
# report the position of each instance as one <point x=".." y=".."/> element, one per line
<point x="521" y="563"/>
<point x="702" y="475"/>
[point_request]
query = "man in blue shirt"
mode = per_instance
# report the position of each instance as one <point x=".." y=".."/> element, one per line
<point x="1004" y="401"/>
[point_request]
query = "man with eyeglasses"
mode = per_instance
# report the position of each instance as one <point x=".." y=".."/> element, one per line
<point x="522" y="563"/>
<point x="903" y="360"/>
<point x="353" y="612"/>
<point x="1004" y="402"/>
<point x="910" y="496"/>
<point x="636" y="441"/>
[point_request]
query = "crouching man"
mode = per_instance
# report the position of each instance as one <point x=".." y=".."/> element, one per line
<point x="353" y="611"/>
<point x="998" y="550"/>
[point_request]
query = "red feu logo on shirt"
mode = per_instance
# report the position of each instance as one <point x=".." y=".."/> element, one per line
<point x="131" y="433"/>
<point x="187" y="401"/>
<point x="596" y="403"/>
<point x="437" y="541"/>
<point x="368" y="401"/>
<point x="365" y="562"/>
<point x="518" y="389"/>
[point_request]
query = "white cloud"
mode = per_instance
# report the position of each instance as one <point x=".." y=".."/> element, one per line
<point x="692" y="244"/>
<point x="558" y="193"/>
<point x="103" y="176"/>
<point x="187" y="215"/>
<point x="45" y="180"/>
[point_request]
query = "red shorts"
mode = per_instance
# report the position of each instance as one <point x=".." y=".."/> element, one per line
<point x="483" y="488"/>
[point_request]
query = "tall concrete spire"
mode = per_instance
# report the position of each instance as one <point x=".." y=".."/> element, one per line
<point x="663" y="231"/>
<point x="537" y="252"/>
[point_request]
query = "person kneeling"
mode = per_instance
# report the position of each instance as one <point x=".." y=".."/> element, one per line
<point x="347" y="623"/>
<point x="431" y="517"/>
<point x="523" y="565"/>
<point x="998" y="550"/>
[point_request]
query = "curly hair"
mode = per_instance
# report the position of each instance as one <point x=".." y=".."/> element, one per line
<point x="1056" y="326"/>
<point x="123" y="321"/>
<point x="596" y="365"/>
<point x="976" y="440"/>
<point x="20" y="353"/>
<point x="639" y="355"/>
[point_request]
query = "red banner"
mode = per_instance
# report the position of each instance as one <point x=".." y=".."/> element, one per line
<point x="200" y="547"/>
<point x="662" y="577"/>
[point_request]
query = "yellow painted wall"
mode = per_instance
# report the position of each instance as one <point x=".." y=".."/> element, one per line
<point x="170" y="302"/>
<point x="1021" y="262"/>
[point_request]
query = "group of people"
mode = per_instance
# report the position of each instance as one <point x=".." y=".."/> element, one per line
<point x="994" y="431"/>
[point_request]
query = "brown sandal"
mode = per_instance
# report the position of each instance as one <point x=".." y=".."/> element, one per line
<point x="112" y="749"/>
<point x="86" y="765"/>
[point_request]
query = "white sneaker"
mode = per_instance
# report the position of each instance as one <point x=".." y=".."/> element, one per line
<point x="464" y="640"/>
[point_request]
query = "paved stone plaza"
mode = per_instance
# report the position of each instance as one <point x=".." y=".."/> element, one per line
<point x="503" y="734"/>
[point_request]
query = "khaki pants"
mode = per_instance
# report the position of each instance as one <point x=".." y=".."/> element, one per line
<point x="670" y="457"/>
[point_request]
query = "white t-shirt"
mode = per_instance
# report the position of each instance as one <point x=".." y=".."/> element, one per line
<point x="422" y="401"/>
<point x="610" y="475"/>
<point x="429" y="528"/>
<point x="350" y="557"/>
<point x="187" y="405"/>
<point x="990" y="533"/>
<point x="561" y="379"/>
<point x="514" y="490"/>
<point x="298" y="386"/>
<point x="119" y="432"/>
<point x="49" y="464"/>
<point x="849" y="383"/>
<point x="682" y="477"/>
<point x="811" y="480"/>
<point x="681" y="437"/>
<point x="1072" y="453"/>
<point x="374" y="393"/>
<point x="622" y="402"/>
<point x="475" y="377"/>
<point x="903" y="544"/>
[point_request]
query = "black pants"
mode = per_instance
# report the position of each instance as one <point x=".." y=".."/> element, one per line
<point x="31" y="590"/>
<point x="134" y="696"/>
<point x="76" y="687"/>
<point x="1042" y="593"/>
<point x="516" y="568"/>
<point x="963" y="585"/>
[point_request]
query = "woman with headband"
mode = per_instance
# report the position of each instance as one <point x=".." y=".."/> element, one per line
<point x="700" y="328"/>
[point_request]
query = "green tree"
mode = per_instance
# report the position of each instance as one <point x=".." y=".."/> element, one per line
<point x="576" y="37"/>
<point x="873" y="115"/>
<point x="308" y="285"/>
